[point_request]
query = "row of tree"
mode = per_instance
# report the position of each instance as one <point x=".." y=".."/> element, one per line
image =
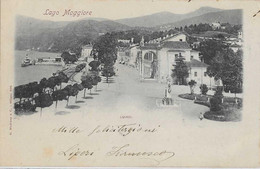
<point x="43" y="94"/>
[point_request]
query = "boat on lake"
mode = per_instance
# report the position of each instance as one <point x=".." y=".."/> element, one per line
<point x="27" y="62"/>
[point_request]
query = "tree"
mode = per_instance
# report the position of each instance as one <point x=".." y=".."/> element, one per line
<point x="54" y="96"/>
<point x="180" y="71"/>
<point x="94" y="65"/>
<point x="44" y="83"/>
<point x="228" y="67"/>
<point x="215" y="101"/>
<point x="62" y="78"/>
<point x="36" y="88"/>
<point x="28" y="92"/>
<point x="105" y="48"/>
<point x="215" y="104"/>
<point x="95" y="80"/>
<point x="78" y="87"/>
<point x="210" y="48"/>
<point x="43" y="100"/>
<point x="98" y="79"/>
<point x="204" y="89"/>
<point x="59" y="95"/>
<point x="72" y="91"/>
<point x="52" y="82"/>
<point x="18" y="92"/>
<point x="108" y="71"/>
<point x="86" y="82"/>
<point x="192" y="85"/>
<point x="68" y="58"/>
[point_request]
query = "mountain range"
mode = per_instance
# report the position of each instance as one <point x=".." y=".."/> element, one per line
<point x="234" y="17"/>
<point x="164" y="18"/>
<point x="57" y="36"/>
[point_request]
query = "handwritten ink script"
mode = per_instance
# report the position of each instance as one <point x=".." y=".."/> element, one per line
<point x="123" y="151"/>
<point x="123" y="130"/>
<point x="256" y="13"/>
<point x="158" y="156"/>
<point x="118" y="151"/>
<point x="75" y="151"/>
<point x="65" y="129"/>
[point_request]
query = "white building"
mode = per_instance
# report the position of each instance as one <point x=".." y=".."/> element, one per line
<point x="215" y="25"/>
<point x="235" y="47"/>
<point x="157" y="60"/>
<point x="86" y="53"/>
<point x="123" y="40"/>
<point x="198" y="71"/>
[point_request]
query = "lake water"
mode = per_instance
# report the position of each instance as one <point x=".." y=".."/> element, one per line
<point x="32" y="73"/>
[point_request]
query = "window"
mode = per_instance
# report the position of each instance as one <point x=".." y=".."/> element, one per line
<point x="205" y="74"/>
<point x="195" y="74"/>
<point x="180" y="39"/>
<point x="148" y="56"/>
<point x="191" y="57"/>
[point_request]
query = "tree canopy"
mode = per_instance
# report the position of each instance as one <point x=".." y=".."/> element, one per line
<point x="105" y="49"/>
<point x="210" y="48"/>
<point x="180" y="71"/>
<point x="228" y="67"/>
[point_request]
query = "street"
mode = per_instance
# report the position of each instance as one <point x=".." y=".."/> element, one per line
<point x="127" y="94"/>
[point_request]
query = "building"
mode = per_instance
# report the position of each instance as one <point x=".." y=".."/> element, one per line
<point x="235" y="47"/>
<point x="133" y="53"/>
<point x="156" y="59"/>
<point x="225" y="26"/>
<point x="198" y="71"/>
<point x="235" y="42"/>
<point x="123" y="41"/>
<point x="86" y="53"/>
<point x="215" y="25"/>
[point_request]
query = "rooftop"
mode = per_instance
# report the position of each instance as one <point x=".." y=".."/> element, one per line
<point x="87" y="46"/>
<point x="176" y="45"/>
<point x="150" y="46"/>
<point x="196" y="63"/>
<point x="173" y="35"/>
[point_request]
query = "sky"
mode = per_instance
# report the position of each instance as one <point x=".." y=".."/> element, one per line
<point x="113" y="9"/>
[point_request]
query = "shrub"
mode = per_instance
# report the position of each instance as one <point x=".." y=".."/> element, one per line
<point x="218" y="92"/>
<point x="187" y="96"/>
<point x="192" y="84"/>
<point x="215" y="104"/>
<point x="204" y="89"/>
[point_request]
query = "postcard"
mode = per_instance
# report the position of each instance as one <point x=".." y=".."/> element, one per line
<point x="123" y="83"/>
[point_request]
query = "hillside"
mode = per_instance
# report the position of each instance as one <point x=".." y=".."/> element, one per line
<point x="231" y="16"/>
<point x="163" y="18"/>
<point x="58" y="36"/>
